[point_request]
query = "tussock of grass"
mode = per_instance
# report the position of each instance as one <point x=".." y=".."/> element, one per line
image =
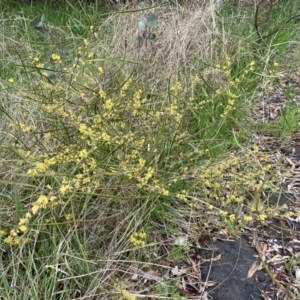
<point x="185" y="39"/>
<point x="107" y="144"/>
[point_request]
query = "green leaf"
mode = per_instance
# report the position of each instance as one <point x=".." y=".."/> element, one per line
<point x="152" y="38"/>
<point x="152" y="20"/>
<point x="35" y="22"/>
<point x="142" y="23"/>
<point x="38" y="23"/>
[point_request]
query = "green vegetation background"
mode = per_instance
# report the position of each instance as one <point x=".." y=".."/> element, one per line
<point x="118" y="132"/>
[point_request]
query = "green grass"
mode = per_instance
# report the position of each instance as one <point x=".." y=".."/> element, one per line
<point x="109" y="146"/>
<point x="285" y="124"/>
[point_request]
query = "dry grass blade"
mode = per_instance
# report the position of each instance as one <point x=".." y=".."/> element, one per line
<point x="181" y="38"/>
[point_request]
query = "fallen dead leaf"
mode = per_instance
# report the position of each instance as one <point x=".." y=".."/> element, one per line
<point x="290" y="161"/>
<point x="218" y="257"/>
<point x="204" y="296"/>
<point x="264" y="249"/>
<point x="278" y="259"/>
<point x="195" y="266"/>
<point x="255" y="267"/>
<point x="175" y="271"/>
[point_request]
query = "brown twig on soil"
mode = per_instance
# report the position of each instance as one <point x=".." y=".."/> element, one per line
<point x="266" y="268"/>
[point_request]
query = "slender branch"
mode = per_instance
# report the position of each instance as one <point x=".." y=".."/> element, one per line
<point x="268" y="17"/>
<point x="256" y="18"/>
<point x="265" y="266"/>
<point x="282" y="26"/>
<point x="256" y="25"/>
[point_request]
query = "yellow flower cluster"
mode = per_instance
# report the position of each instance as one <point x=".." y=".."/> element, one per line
<point x="55" y="57"/>
<point x="176" y="87"/>
<point x="100" y="70"/>
<point x="230" y="103"/>
<point x="137" y="102"/>
<point x="16" y="236"/>
<point x="125" y="87"/>
<point x="226" y="67"/>
<point x="229" y="180"/>
<point x="113" y="128"/>
<point x="124" y="137"/>
<point x="126" y="295"/>
<point x="138" y="239"/>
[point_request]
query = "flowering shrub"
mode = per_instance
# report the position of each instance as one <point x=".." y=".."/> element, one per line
<point x="93" y="137"/>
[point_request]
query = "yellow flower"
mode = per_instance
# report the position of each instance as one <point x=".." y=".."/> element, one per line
<point x="100" y="70"/>
<point x="40" y="66"/>
<point x="142" y="235"/>
<point x="90" y="55"/>
<point x="13" y="232"/>
<point x="255" y="149"/>
<point x="142" y="162"/>
<point x="34" y="209"/>
<point x="108" y="104"/>
<point x="11" y="80"/>
<point x="126" y="295"/>
<point x="23" y="228"/>
<point x="83" y="153"/>
<point x="86" y="43"/>
<point x="9" y="240"/>
<point x="164" y="192"/>
<point x="28" y="215"/>
<point x="137" y="238"/>
<point x="23" y="221"/>
<point x="55" y="57"/>
<point x="262" y="217"/>
<point x="247" y="218"/>
<point x="70" y="217"/>
<point x="64" y="187"/>
<point x="42" y="201"/>
<point x="223" y="213"/>
<point x="102" y="94"/>
<point x="288" y="214"/>
<point x="149" y="174"/>
<point x="3" y="232"/>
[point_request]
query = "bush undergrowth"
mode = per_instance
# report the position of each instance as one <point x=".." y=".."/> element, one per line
<point x="102" y="136"/>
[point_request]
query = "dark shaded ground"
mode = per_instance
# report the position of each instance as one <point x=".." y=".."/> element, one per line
<point x="231" y="270"/>
<point x="228" y="262"/>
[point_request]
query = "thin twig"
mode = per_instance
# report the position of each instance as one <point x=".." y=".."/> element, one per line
<point x="268" y="17"/>
<point x="256" y="18"/>
<point x="266" y="268"/>
<point x="257" y="11"/>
